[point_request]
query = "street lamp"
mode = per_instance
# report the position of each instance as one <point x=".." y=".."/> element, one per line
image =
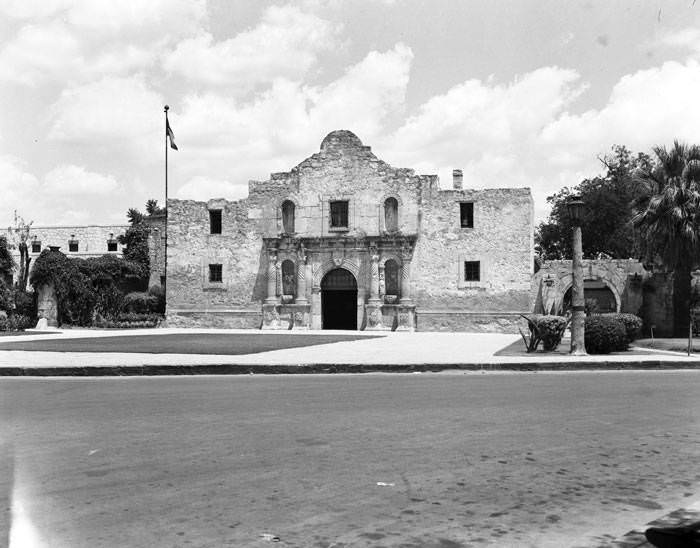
<point x="578" y="315"/>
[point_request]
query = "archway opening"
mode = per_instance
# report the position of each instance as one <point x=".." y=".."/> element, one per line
<point x="339" y="300"/>
<point x="598" y="297"/>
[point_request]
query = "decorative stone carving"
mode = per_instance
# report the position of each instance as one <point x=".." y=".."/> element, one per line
<point x="47" y="305"/>
<point x="271" y="276"/>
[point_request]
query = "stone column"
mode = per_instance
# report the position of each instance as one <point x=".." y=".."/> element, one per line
<point x="374" y="272"/>
<point x="301" y="275"/>
<point x="578" y="301"/>
<point x="406" y="257"/>
<point x="271" y="277"/>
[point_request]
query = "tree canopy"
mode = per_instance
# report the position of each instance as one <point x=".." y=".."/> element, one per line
<point x="606" y="226"/>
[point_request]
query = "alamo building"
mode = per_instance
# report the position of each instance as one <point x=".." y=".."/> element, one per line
<point x="346" y="241"/>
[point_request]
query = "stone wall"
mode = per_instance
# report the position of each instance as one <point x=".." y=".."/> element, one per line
<point x="156" y="248"/>
<point x="92" y="240"/>
<point x="501" y="240"/>
<point x="428" y="245"/>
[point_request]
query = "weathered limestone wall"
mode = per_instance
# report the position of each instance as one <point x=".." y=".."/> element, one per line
<point x="156" y="248"/>
<point x="344" y="169"/>
<point x="429" y="243"/>
<point x="501" y="240"/>
<point x="191" y="299"/>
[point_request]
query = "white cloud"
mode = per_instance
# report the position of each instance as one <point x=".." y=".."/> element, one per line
<point x="80" y="40"/>
<point x="111" y="112"/>
<point x="41" y="53"/>
<point x="219" y="135"/>
<point x="688" y="38"/>
<point x="204" y="188"/>
<point x="24" y="9"/>
<point x="66" y="182"/>
<point x="285" y="44"/>
<point x="68" y="194"/>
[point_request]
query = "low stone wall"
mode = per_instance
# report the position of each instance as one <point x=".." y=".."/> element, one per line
<point x="224" y="319"/>
<point x="474" y="322"/>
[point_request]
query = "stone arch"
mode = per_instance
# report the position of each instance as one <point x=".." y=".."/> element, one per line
<point x="396" y="199"/>
<point x="289" y="277"/>
<point x="325" y="268"/>
<point x="279" y="209"/>
<point x="567" y="283"/>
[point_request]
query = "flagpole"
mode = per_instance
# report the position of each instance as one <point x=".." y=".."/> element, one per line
<point x="165" y="259"/>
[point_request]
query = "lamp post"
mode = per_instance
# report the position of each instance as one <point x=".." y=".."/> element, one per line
<point x="578" y="316"/>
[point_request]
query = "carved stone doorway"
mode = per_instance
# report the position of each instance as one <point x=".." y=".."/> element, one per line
<point x="339" y="300"/>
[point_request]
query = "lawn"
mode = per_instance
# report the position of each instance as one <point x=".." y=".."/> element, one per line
<point x="181" y="343"/>
<point x="676" y="345"/>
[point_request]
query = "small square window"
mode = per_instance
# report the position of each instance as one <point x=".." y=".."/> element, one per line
<point x="111" y="245"/>
<point x="472" y="271"/>
<point x="339" y="214"/>
<point x="215" y="273"/>
<point x="215" y="221"/>
<point x="73" y="246"/>
<point x="466" y="214"/>
<point x="36" y="247"/>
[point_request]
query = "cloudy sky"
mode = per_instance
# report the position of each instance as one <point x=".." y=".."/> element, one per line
<point x="518" y="93"/>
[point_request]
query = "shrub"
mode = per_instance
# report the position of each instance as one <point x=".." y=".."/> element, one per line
<point x="25" y="302"/>
<point x="139" y="302"/>
<point x="5" y="296"/>
<point x="604" y="334"/>
<point x="3" y="322"/>
<point x="546" y="328"/>
<point x="551" y="330"/>
<point x="632" y="325"/>
<point x="158" y="292"/>
<point x="19" y="322"/>
<point x="74" y="292"/>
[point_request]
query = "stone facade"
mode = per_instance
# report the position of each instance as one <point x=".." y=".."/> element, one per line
<point x="156" y="248"/>
<point x="345" y="239"/>
<point x="634" y="289"/>
<point x="89" y="241"/>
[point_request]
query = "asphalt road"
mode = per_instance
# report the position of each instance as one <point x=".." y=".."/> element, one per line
<point x="413" y="461"/>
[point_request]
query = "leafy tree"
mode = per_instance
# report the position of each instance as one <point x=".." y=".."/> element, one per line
<point x="606" y="227"/>
<point x="152" y="208"/>
<point x="134" y="216"/>
<point x="7" y="262"/>
<point x="21" y="234"/>
<point x="668" y="215"/>
<point x="135" y="240"/>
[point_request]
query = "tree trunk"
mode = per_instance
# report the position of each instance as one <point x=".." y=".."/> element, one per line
<point x="681" y="299"/>
<point x="23" y="256"/>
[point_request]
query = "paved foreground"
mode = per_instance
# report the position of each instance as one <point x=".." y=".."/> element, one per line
<point x="416" y="460"/>
<point x="152" y="352"/>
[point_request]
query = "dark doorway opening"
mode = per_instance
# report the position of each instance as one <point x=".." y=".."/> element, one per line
<point x="339" y="300"/>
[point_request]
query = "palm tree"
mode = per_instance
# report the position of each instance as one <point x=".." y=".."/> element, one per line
<point x="668" y="215"/>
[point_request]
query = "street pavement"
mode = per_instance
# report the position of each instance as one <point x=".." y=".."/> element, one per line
<point x="446" y="460"/>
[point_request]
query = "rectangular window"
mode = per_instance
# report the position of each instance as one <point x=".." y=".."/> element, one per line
<point x="73" y="246"/>
<point x="215" y="273"/>
<point x="466" y="214"/>
<point x="215" y="221"/>
<point x="36" y="247"/>
<point x="111" y="245"/>
<point x="339" y="214"/>
<point x="472" y="271"/>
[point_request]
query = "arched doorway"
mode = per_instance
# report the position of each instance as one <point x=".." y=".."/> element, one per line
<point x="339" y="300"/>
<point x="598" y="296"/>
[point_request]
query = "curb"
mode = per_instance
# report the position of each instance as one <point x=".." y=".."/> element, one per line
<point x="330" y="368"/>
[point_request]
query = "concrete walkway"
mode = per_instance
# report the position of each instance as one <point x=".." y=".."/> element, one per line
<point x="420" y="351"/>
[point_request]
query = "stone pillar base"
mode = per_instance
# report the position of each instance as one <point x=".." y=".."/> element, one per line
<point x="271" y="317"/>
<point x="407" y="318"/>
<point x="301" y="317"/>
<point x="375" y="319"/>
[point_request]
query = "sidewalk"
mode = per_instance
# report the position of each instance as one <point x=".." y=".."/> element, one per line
<point x="377" y="352"/>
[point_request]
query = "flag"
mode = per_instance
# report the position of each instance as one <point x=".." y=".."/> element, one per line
<point x="170" y="135"/>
